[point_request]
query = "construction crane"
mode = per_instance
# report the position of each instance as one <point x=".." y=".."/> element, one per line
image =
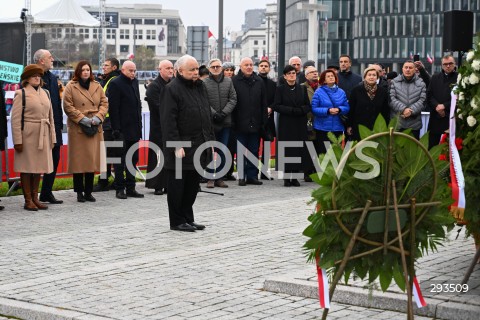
<point x="101" y="35"/>
<point x="27" y="19"/>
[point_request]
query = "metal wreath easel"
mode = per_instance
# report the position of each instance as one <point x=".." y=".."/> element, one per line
<point x="387" y="244"/>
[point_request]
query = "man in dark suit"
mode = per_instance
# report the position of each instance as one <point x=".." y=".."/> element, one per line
<point x="154" y="90"/>
<point x="271" y="87"/>
<point x="45" y="59"/>
<point x="125" y="109"/>
<point x="438" y="100"/>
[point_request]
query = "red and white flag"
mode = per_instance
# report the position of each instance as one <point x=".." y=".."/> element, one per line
<point x="210" y="34"/>
<point x="430" y="59"/>
<point x="456" y="171"/>
<point x="417" y="294"/>
<point x="323" y="295"/>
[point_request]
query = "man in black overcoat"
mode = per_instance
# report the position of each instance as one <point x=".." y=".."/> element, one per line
<point x="186" y="120"/>
<point x="154" y="90"/>
<point x="125" y="109"/>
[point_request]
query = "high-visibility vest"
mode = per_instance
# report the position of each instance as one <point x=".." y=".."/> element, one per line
<point x="105" y="91"/>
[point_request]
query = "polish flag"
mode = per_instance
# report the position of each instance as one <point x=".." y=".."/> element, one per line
<point x="323" y="294"/>
<point x="417" y="294"/>
<point x="210" y="34"/>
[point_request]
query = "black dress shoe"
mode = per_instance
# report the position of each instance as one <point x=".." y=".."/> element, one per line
<point x="197" y="226"/>
<point x="286" y="183"/>
<point x="158" y="192"/>
<point x="89" y="197"/>
<point x="229" y="177"/>
<point x="295" y="183"/>
<point x="101" y="188"/>
<point x="184" y="227"/>
<point x="242" y="182"/>
<point x="254" y="182"/>
<point x="80" y="197"/>
<point x="50" y="198"/>
<point x="134" y="194"/>
<point x="121" y="194"/>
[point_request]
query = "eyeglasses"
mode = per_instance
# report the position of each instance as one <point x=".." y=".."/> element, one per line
<point x="314" y="71"/>
<point x="448" y="64"/>
<point x="215" y="67"/>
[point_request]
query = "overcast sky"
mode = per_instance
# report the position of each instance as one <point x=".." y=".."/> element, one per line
<point x="192" y="12"/>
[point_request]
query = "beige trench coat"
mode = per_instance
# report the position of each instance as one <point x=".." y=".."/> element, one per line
<point x="84" y="151"/>
<point x="38" y="135"/>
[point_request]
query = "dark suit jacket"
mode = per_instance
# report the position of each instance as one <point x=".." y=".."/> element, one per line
<point x="125" y="108"/>
<point x="439" y="93"/>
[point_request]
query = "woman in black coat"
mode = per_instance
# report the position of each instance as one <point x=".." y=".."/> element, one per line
<point x="292" y="104"/>
<point x="367" y="101"/>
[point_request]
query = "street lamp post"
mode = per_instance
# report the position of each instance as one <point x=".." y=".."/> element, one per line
<point x="313" y="8"/>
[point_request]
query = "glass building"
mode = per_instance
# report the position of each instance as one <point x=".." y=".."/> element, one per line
<point x="384" y="31"/>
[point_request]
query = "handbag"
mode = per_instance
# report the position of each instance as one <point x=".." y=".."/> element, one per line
<point x="89" y="131"/>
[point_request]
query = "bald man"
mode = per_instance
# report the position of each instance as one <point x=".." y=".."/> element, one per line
<point x="125" y="111"/>
<point x="154" y="90"/>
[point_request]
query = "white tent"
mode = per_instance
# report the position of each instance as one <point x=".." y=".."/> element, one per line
<point x="66" y="12"/>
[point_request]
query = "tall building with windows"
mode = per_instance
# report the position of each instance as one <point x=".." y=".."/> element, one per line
<point x="385" y="31"/>
<point x="147" y="30"/>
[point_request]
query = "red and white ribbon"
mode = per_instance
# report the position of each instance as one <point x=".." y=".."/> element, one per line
<point x="323" y="295"/>
<point x="417" y="294"/>
<point x="456" y="172"/>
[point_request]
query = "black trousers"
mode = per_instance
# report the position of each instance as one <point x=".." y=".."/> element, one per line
<point x="107" y="136"/>
<point x="49" y="178"/>
<point x="127" y="181"/>
<point x="83" y="182"/>
<point x="433" y="139"/>
<point x="181" y="196"/>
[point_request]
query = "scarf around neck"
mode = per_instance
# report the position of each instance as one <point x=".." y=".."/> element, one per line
<point x="371" y="89"/>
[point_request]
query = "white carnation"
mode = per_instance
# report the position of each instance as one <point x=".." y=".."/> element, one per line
<point x="460" y="116"/>
<point x="473" y="79"/>
<point x="465" y="81"/>
<point x="459" y="78"/>
<point x="471" y="121"/>
<point x="476" y="65"/>
<point x="470" y="55"/>
<point x="461" y="96"/>
<point x="473" y="104"/>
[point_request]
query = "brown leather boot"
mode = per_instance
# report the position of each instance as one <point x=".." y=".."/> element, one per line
<point x="26" y="178"/>
<point x="35" y="182"/>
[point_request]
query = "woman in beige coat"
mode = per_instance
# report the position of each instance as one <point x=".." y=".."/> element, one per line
<point x="33" y="133"/>
<point x="85" y="104"/>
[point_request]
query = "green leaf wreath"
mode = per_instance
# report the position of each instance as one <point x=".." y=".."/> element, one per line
<point x="413" y="174"/>
<point x="468" y="129"/>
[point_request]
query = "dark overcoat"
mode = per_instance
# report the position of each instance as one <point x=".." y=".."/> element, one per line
<point x="185" y="117"/>
<point x="293" y="105"/>
<point x="153" y="93"/>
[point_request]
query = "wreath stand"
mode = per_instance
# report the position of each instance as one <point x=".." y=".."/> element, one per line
<point x="472" y="266"/>
<point x="398" y="214"/>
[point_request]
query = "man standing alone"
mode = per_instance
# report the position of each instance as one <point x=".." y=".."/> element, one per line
<point x="45" y="60"/>
<point x="185" y="119"/>
<point x="154" y="90"/>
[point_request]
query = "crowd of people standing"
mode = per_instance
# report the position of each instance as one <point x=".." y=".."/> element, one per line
<point x="239" y="111"/>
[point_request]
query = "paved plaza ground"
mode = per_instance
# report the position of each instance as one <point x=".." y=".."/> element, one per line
<point x="117" y="259"/>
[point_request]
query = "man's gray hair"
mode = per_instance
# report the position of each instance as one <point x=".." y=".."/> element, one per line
<point x="39" y="55"/>
<point x="183" y="60"/>
<point x="214" y="60"/>
<point x="294" y="57"/>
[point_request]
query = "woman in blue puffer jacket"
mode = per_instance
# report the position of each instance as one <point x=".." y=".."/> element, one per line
<point x="328" y="103"/>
